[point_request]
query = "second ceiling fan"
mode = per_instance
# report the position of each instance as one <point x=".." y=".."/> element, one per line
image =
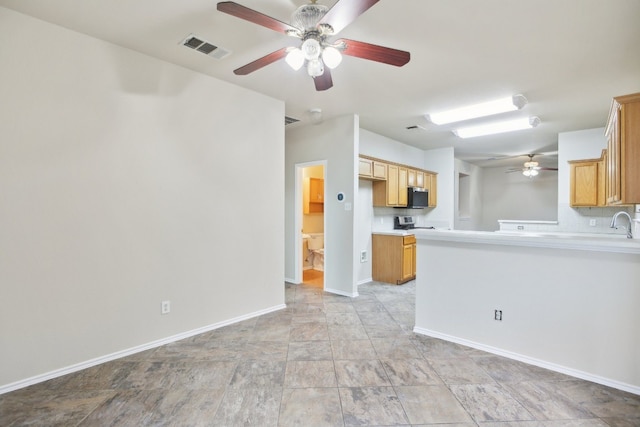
<point x="314" y="24"/>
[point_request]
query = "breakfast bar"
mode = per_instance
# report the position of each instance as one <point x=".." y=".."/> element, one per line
<point x="566" y="302"/>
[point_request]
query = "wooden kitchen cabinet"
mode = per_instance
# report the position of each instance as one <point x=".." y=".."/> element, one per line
<point x="385" y="193"/>
<point x="372" y="169"/>
<point x="403" y="177"/>
<point x="419" y="179"/>
<point x="588" y="182"/>
<point x="431" y="185"/>
<point x="623" y="151"/>
<point x="392" y="192"/>
<point x="314" y="196"/>
<point x="393" y="258"/>
<point x="415" y="178"/>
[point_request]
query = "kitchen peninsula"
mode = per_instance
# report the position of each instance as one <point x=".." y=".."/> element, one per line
<point x="566" y="302"/>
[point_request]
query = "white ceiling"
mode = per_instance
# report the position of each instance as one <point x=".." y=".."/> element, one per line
<point x="568" y="57"/>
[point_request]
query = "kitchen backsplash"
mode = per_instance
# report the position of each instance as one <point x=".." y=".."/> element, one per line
<point x="575" y="220"/>
<point x="383" y="218"/>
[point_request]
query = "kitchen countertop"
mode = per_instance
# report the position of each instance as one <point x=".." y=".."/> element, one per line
<point x="394" y="232"/>
<point x="578" y="241"/>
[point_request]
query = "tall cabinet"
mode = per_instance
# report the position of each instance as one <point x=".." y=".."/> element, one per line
<point x="623" y="150"/>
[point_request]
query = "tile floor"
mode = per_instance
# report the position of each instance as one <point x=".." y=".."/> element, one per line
<point x="326" y="360"/>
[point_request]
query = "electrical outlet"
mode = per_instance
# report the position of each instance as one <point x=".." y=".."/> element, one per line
<point x="363" y="256"/>
<point x="593" y="222"/>
<point x="165" y="307"/>
<point x="497" y="315"/>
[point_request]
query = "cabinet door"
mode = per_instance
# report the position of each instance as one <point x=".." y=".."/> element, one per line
<point x="613" y="160"/>
<point x="392" y="185"/>
<point x="584" y="183"/>
<point x="411" y="178"/>
<point x="402" y="186"/>
<point x="408" y="263"/>
<point x="431" y="185"/>
<point x="316" y="190"/>
<point x="419" y="179"/>
<point x="365" y="168"/>
<point x="379" y="170"/>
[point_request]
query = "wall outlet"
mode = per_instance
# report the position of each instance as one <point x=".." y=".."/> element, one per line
<point x="593" y="222"/>
<point x="497" y="315"/>
<point x="165" y="307"/>
<point x="363" y="256"/>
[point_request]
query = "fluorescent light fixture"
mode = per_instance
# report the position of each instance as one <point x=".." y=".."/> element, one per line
<point x="497" y="127"/>
<point x="510" y="103"/>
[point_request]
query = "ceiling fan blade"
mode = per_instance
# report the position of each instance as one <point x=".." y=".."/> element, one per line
<point x="261" y="62"/>
<point x="324" y="81"/>
<point x="344" y="12"/>
<point x="374" y="52"/>
<point x="242" y="12"/>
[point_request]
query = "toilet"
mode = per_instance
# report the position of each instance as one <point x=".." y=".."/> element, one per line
<point x="315" y="242"/>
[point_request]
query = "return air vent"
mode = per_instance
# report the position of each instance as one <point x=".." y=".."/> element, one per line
<point x="289" y="120"/>
<point x="203" y="46"/>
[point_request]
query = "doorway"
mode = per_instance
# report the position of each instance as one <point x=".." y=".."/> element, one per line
<point x="310" y="194"/>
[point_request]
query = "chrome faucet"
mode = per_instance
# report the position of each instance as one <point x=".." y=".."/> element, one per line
<point x="615" y="219"/>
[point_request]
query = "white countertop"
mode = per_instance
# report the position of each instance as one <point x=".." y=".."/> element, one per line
<point x="577" y="241"/>
<point x="394" y="232"/>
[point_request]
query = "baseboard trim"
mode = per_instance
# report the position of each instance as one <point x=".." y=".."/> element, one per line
<point x="133" y="350"/>
<point x="532" y="361"/>
<point x="341" y="292"/>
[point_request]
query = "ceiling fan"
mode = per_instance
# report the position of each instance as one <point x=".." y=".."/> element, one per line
<point x="314" y="24"/>
<point x="530" y="168"/>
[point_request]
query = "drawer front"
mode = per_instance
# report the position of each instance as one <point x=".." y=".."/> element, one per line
<point x="408" y="240"/>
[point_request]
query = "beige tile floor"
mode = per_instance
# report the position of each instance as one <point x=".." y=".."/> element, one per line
<point x="325" y="360"/>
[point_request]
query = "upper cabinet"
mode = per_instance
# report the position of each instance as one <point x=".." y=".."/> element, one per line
<point x="623" y="151"/>
<point x="372" y="169"/>
<point x="588" y="182"/>
<point x="391" y="181"/>
<point x="314" y="196"/>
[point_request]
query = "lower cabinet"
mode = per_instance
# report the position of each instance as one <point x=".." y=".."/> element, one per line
<point x="393" y="258"/>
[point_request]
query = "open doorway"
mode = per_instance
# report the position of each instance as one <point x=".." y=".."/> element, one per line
<point x="311" y="257"/>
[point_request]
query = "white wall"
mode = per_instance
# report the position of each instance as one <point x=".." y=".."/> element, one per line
<point x="442" y="160"/>
<point x="120" y="177"/>
<point x="336" y="142"/>
<point x="471" y="218"/>
<point x="513" y="196"/>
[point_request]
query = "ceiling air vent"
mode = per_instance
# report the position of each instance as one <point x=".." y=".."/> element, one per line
<point x="203" y="46"/>
<point x="289" y="120"/>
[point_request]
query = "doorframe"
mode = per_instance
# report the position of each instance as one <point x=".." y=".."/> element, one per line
<point x="297" y="200"/>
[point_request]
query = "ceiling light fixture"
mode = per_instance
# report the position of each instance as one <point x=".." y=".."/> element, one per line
<point x="314" y="50"/>
<point x="497" y="127"/>
<point x="530" y="173"/>
<point x="502" y="105"/>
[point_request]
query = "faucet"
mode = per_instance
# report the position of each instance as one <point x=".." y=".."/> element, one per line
<point x="615" y="218"/>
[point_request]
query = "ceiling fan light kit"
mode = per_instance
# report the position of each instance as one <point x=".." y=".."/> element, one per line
<point x="313" y="24"/>
<point x="502" y="105"/>
<point x="497" y="127"/>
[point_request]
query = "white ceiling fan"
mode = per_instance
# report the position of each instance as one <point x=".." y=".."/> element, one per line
<point x="530" y="168"/>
